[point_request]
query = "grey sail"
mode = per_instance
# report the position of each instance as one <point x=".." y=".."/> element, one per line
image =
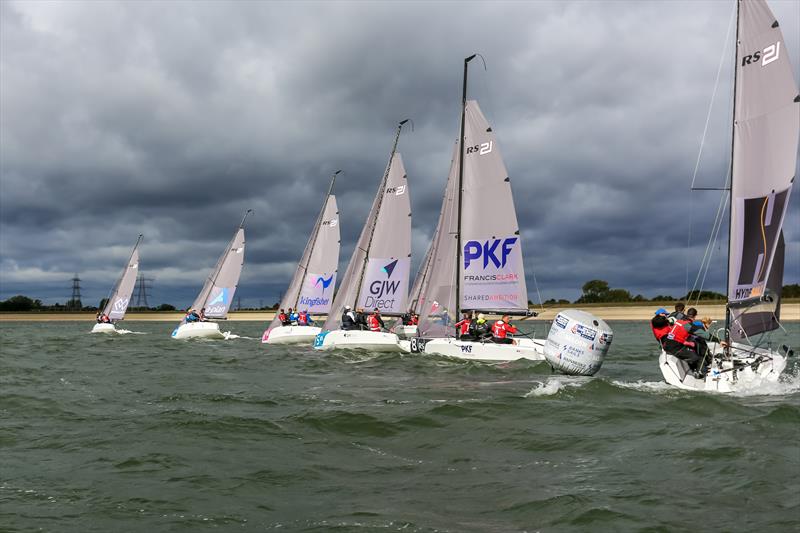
<point x="492" y="272"/>
<point x="437" y="300"/>
<point x="120" y="297"/>
<point x="312" y="285"/>
<point x="765" y="136"/>
<point x="422" y="274"/>
<point x="764" y="315"/>
<point x="219" y="288"/>
<point x="377" y="275"/>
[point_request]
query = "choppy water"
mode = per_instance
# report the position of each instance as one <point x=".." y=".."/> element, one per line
<point x="141" y="432"/>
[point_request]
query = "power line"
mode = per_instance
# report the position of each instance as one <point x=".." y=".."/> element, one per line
<point x="143" y="287"/>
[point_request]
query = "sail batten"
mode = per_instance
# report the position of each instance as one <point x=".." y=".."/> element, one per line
<point x="765" y="137"/>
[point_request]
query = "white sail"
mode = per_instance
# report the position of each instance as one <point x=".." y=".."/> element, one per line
<point x="765" y="138"/>
<point x="217" y="294"/>
<point x="377" y="275"/>
<point x="117" y="303"/>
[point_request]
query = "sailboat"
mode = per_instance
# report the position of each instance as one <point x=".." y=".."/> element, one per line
<point x="120" y="296"/>
<point x="377" y="275"/>
<point x="311" y="288"/>
<point x="216" y="296"/>
<point x="476" y="263"/>
<point x="766" y="128"/>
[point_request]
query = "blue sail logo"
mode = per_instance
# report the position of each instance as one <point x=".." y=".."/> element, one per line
<point x="221" y="298"/>
<point x="390" y="268"/>
<point x="325" y="282"/>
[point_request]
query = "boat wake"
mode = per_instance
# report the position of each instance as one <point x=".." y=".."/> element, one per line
<point x="555" y="385"/>
<point x="229" y="336"/>
<point x="129" y="332"/>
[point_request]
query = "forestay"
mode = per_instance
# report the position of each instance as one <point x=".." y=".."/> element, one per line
<point x="220" y="286"/>
<point x="765" y="137"/>
<point x="377" y="275"/>
<point x="492" y="272"/>
<point x="314" y="280"/>
<point x="117" y="303"/>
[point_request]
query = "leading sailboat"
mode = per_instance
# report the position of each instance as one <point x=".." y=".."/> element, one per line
<point x="120" y="296"/>
<point x="476" y="263"/>
<point x="216" y="296"/>
<point x="311" y="288"/>
<point x="377" y="275"/>
<point x="766" y="128"/>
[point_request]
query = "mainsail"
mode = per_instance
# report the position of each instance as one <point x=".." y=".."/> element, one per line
<point x="120" y="297"/>
<point x="217" y="294"/>
<point x="765" y="136"/>
<point x="491" y="269"/>
<point x="377" y="275"/>
<point x="312" y="286"/>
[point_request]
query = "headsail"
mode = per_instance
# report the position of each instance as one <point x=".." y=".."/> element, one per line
<point x="492" y="273"/>
<point x="377" y="275"/>
<point x="219" y="288"/>
<point x="312" y="286"/>
<point x="765" y="137"/>
<point x="120" y="297"/>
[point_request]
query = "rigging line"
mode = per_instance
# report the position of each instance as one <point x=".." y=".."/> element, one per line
<point x="715" y="228"/>
<point x="536" y="284"/>
<point x="711" y="253"/>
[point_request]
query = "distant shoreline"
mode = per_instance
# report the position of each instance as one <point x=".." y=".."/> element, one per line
<point x="790" y="312"/>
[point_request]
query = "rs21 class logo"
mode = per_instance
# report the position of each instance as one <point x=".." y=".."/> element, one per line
<point x="481" y="149"/>
<point x="767" y="55"/>
<point x="397" y="191"/>
<point x="489" y="250"/>
<point x="332" y="223"/>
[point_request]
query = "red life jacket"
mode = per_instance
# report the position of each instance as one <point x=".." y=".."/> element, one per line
<point x="500" y="329"/>
<point x="414" y="320"/>
<point x="660" y="332"/>
<point x="464" y="325"/>
<point x="302" y="319"/>
<point x="679" y="334"/>
<point x="105" y="319"/>
<point x="282" y="317"/>
<point x="373" y="323"/>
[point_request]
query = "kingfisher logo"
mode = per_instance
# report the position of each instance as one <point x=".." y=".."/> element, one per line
<point x="767" y="55"/>
<point x="325" y="282"/>
<point x="488" y="250"/>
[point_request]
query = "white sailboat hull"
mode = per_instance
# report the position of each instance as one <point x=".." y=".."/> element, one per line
<point x="290" y="335"/>
<point x="104" y="327"/>
<point x="747" y="369"/>
<point x="192" y="330"/>
<point x="532" y="349"/>
<point x="374" y="341"/>
<point x="405" y="331"/>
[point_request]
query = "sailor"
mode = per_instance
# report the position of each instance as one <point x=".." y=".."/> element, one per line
<point x="480" y="329"/>
<point x="660" y="325"/>
<point x="191" y="315"/>
<point x="293" y="316"/>
<point x="462" y="326"/>
<point x="283" y="318"/>
<point x="699" y="334"/>
<point x="348" y="318"/>
<point x="104" y="319"/>
<point x="414" y="319"/>
<point x="374" y="321"/>
<point x="677" y="314"/>
<point x="304" y="319"/>
<point x="501" y="329"/>
<point x="361" y="319"/>
<point x="676" y="342"/>
<point x="406" y="318"/>
<point x="202" y="316"/>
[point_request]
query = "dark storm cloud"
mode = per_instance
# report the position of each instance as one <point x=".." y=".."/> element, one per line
<point x="171" y="119"/>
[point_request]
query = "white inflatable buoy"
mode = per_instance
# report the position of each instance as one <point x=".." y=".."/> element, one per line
<point x="577" y="343"/>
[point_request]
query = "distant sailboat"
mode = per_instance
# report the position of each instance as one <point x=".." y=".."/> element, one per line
<point x="117" y="302"/>
<point x="377" y="275"/>
<point x="217" y="295"/>
<point x="312" y="286"/>
<point x="766" y="128"/>
<point x="476" y="263"/>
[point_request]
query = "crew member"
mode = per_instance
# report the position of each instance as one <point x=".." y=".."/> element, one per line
<point x="677" y="314"/>
<point x="660" y="325"/>
<point x="191" y="315"/>
<point x="293" y="316"/>
<point x="480" y="328"/>
<point x="284" y="318"/>
<point x="462" y="326"/>
<point x="202" y="315"/>
<point x="361" y="319"/>
<point x="676" y="342"/>
<point x="348" y="318"/>
<point x="501" y="329"/>
<point x="414" y="319"/>
<point x="375" y="322"/>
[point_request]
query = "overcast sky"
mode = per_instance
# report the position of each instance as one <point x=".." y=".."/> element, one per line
<point x="171" y="119"/>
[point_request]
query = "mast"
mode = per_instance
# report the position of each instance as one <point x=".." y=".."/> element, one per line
<point x="461" y="186"/>
<point x="730" y="184"/>
<point x="381" y="192"/>
<point x="314" y="237"/>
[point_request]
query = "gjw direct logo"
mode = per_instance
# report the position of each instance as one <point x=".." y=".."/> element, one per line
<point x="767" y="55"/>
<point x="481" y="149"/>
<point x="489" y="250"/>
<point x="382" y="291"/>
